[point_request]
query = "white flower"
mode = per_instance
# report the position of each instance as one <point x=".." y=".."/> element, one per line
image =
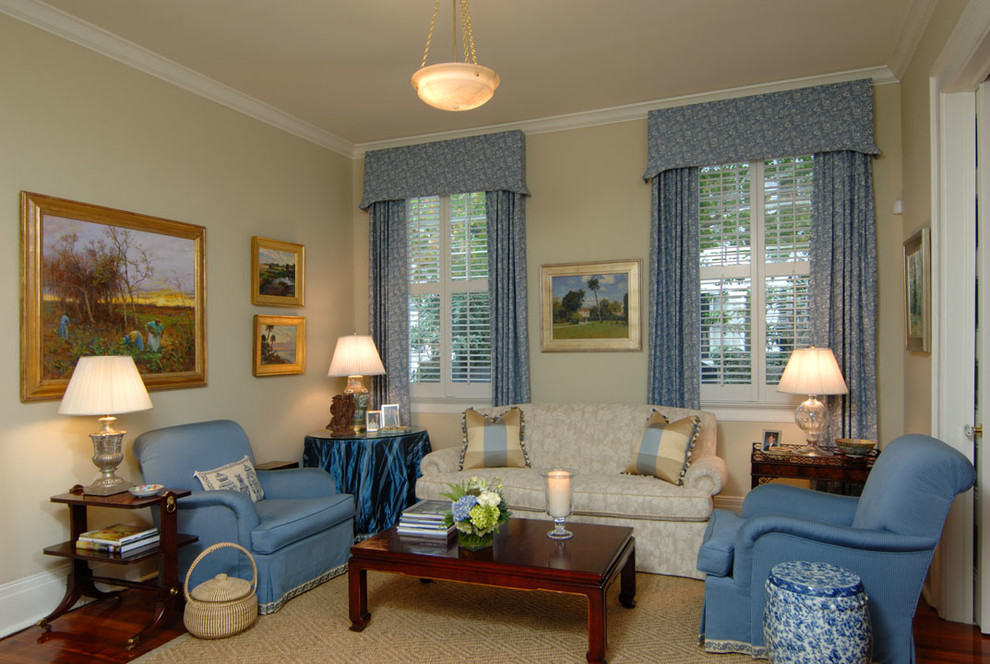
<point x="489" y="498"/>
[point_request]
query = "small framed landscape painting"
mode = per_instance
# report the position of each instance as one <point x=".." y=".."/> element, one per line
<point x="590" y="306"/>
<point x="279" y="345"/>
<point x="918" y="291"/>
<point x="101" y="281"/>
<point x="277" y="273"/>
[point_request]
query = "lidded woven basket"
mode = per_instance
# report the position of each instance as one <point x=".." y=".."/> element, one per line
<point x="221" y="606"/>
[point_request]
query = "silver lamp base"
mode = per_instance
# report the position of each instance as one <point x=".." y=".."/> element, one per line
<point x="107" y="455"/>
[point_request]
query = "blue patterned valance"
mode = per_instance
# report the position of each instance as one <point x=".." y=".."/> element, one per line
<point x="494" y="162"/>
<point x="826" y="118"/>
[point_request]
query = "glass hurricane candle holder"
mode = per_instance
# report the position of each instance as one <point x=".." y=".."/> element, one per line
<point x="557" y="483"/>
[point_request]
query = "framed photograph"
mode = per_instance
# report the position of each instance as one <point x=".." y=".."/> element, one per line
<point x="390" y="416"/>
<point x="590" y="306"/>
<point x="279" y="345"/>
<point x="373" y="421"/>
<point x="100" y="281"/>
<point x="770" y="439"/>
<point x="918" y="291"/>
<point x="277" y="273"/>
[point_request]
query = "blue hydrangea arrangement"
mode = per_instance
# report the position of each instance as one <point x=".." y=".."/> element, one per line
<point x="477" y="510"/>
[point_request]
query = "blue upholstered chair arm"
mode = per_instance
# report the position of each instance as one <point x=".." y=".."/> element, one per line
<point x="795" y="501"/>
<point x="297" y="483"/>
<point x="231" y="506"/>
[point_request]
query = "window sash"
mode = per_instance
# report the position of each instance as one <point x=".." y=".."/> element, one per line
<point x="774" y="220"/>
<point x="450" y="357"/>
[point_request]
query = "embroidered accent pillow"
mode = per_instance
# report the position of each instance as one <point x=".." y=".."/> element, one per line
<point x="493" y="442"/>
<point x="664" y="448"/>
<point x="237" y="476"/>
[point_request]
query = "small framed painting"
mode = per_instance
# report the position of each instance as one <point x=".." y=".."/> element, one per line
<point x="277" y="273"/>
<point x="590" y="306"/>
<point x="279" y="345"/>
<point x="918" y="291"/>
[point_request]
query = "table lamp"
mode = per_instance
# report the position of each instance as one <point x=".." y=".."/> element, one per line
<point x="812" y="371"/>
<point x="105" y="385"/>
<point x="355" y="357"/>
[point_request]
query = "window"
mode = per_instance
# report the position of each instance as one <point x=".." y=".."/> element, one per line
<point x="449" y="334"/>
<point x="755" y="227"/>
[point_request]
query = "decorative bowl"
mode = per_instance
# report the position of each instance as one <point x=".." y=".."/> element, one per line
<point x="855" y="447"/>
<point x="146" y="490"/>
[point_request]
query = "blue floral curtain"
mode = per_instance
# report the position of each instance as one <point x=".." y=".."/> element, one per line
<point x="388" y="303"/>
<point x="843" y="293"/>
<point x="507" y="297"/>
<point x="836" y="118"/>
<point x="495" y="164"/>
<point x="674" y="372"/>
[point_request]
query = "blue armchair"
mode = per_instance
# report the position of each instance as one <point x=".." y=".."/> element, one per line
<point x="299" y="534"/>
<point x="887" y="536"/>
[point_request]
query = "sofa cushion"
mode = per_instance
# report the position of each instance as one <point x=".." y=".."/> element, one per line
<point x="236" y="476"/>
<point x="493" y="441"/>
<point x="719" y="545"/>
<point x="285" y="521"/>
<point x="664" y="448"/>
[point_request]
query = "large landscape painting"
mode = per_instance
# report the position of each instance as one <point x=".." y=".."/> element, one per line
<point x="98" y="281"/>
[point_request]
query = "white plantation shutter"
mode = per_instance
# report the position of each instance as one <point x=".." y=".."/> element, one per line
<point x="753" y="235"/>
<point x="449" y="331"/>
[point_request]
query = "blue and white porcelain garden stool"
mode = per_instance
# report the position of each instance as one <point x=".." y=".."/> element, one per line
<point x="816" y="613"/>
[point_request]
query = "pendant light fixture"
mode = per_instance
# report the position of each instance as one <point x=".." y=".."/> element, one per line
<point x="455" y="86"/>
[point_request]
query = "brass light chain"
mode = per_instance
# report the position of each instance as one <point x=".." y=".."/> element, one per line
<point x="429" y="37"/>
<point x="467" y="42"/>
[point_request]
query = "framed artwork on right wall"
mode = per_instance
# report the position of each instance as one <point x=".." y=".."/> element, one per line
<point x="918" y="291"/>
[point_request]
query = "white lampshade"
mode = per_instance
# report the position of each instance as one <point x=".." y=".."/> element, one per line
<point x="455" y="86"/>
<point x="105" y="385"/>
<point x="812" y="371"/>
<point x="356" y="355"/>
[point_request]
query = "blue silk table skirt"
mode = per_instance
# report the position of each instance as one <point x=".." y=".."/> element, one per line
<point x="380" y="471"/>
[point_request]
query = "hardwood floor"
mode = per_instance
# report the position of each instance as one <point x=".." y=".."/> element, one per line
<point x="98" y="632"/>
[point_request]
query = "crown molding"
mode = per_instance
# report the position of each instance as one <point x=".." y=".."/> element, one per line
<point x="94" y="38"/>
<point x="632" y="112"/>
<point x="914" y="29"/>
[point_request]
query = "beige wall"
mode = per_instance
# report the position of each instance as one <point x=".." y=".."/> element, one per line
<point x="589" y="202"/>
<point x="76" y="125"/>
<point x="917" y="189"/>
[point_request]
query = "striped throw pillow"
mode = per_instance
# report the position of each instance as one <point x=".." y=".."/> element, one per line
<point x="493" y="442"/>
<point x="664" y="448"/>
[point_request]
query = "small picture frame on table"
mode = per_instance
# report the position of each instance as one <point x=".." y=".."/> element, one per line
<point x="373" y="421"/>
<point x="771" y="439"/>
<point x="390" y="416"/>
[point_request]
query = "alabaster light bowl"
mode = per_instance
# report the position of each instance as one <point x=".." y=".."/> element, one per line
<point x="855" y="447"/>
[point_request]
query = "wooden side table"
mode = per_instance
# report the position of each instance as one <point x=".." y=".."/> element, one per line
<point x="781" y="461"/>
<point x="81" y="582"/>
<point x="379" y="469"/>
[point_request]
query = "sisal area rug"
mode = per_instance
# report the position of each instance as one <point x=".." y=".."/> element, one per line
<point x="444" y="621"/>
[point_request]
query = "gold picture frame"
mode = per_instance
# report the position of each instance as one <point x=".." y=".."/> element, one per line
<point x="278" y="273"/>
<point x="101" y="281"/>
<point x="279" y="345"/>
<point x="571" y="321"/>
<point x="918" y="292"/>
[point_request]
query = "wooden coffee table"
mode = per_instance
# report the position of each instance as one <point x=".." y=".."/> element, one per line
<point x="522" y="557"/>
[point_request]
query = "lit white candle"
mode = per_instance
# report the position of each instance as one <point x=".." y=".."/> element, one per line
<point x="558" y="493"/>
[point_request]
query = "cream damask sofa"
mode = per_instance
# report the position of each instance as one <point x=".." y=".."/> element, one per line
<point x="597" y="440"/>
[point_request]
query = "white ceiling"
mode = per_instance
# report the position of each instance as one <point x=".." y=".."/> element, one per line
<point x="337" y="71"/>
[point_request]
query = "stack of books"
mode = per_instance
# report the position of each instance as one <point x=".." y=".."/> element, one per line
<point x="425" y="520"/>
<point x="118" y="538"/>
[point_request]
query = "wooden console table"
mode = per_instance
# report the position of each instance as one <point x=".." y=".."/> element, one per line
<point x="781" y="461"/>
<point x="81" y="582"/>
